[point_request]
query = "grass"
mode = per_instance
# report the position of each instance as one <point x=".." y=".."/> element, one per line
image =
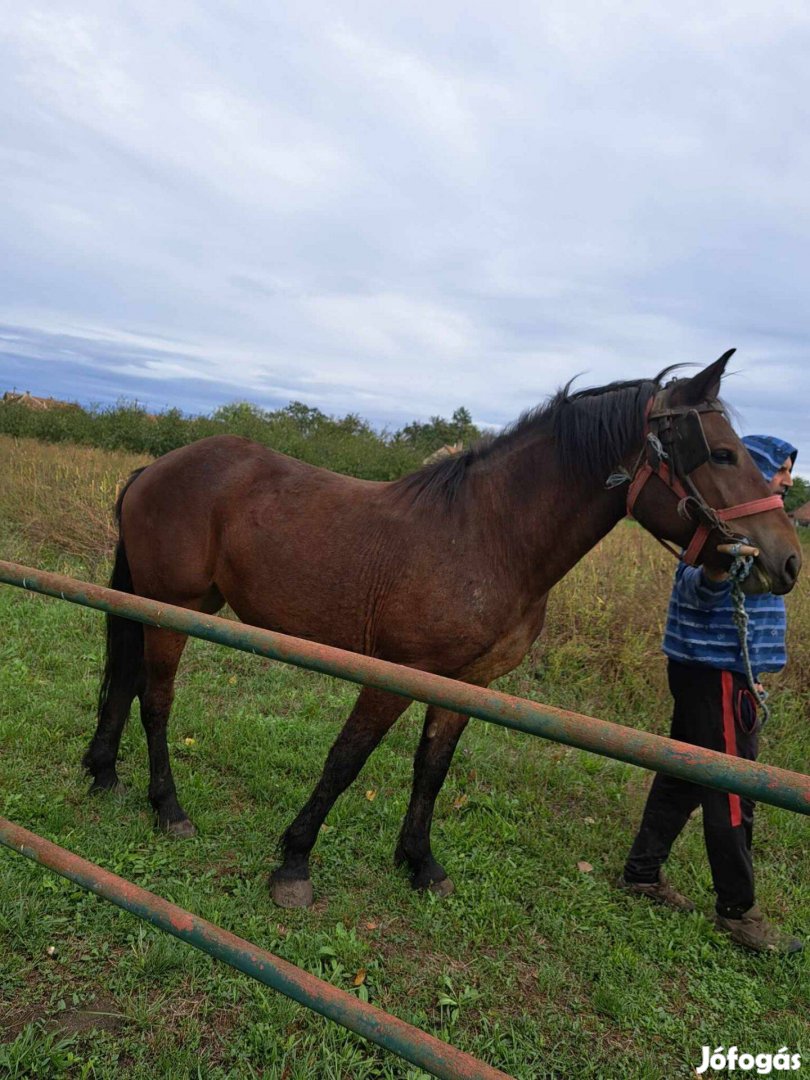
<point x="59" y="497"/>
<point x="533" y="965"/>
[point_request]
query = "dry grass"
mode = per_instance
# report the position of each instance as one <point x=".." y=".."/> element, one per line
<point x="61" y="497"/>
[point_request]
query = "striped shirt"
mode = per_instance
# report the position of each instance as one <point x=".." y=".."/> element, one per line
<point x="700" y="629"/>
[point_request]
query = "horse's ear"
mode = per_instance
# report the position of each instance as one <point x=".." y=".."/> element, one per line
<point x="705" y="386"/>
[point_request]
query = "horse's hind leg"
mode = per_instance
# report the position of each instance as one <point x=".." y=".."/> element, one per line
<point x="440" y="735"/>
<point x="123" y="679"/>
<point x="374" y="713"/>
<point x="162" y="652"/>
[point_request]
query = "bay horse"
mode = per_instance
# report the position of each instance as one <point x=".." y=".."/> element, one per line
<point x="447" y="570"/>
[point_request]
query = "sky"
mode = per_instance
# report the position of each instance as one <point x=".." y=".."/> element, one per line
<point x="397" y="209"/>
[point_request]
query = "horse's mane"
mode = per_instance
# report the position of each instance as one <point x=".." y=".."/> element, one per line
<point x="593" y="430"/>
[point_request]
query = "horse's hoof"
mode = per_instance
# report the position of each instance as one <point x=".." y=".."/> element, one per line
<point x="291" y="894"/>
<point x="115" y="788"/>
<point x="442" y="888"/>
<point x="180" y="830"/>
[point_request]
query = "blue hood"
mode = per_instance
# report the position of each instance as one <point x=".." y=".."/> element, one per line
<point x="769" y="453"/>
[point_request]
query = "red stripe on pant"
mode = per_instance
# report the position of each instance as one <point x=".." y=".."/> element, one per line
<point x="730" y="739"/>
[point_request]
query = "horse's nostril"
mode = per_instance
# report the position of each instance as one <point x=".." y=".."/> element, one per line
<point x="792" y="568"/>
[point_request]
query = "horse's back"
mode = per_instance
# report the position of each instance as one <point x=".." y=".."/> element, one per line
<point x="259" y="526"/>
<point x="207" y="475"/>
<point x="220" y="460"/>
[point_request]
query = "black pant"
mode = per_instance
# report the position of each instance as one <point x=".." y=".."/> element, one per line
<point x="714" y="709"/>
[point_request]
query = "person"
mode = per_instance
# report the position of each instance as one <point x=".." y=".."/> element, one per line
<point x="715" y="708"/>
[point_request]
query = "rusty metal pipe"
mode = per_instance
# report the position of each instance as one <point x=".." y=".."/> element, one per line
<point x="764" y="783"/>
<point x="426" y="1051"/>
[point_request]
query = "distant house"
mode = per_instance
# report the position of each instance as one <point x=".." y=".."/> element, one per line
<point x="40" y="404"/>
<point x="443" y="452"/>
<point x="801" y="516"/>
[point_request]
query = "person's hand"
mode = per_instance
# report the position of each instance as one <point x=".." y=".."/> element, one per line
<point x="714" y="573"/>
<point x="738" y="548"/>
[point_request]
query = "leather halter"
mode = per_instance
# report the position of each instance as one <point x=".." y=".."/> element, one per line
<point x="653" y="461"/>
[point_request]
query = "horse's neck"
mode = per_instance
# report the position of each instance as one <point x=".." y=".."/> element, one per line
<point x="580" y="521"/>
<point x="553" y="519"/>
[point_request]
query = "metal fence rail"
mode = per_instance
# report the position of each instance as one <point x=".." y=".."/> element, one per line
<point x="426" y="1051"/>
<point x="764" y="783"/>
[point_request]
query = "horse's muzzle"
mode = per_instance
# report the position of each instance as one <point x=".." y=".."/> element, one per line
<point x="778" y="582"/>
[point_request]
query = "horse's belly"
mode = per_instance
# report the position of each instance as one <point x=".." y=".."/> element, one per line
<point x="504" y="656"/>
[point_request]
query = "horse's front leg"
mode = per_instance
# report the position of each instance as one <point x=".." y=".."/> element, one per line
<point x="374" y="713"/>
<point x="440" y="735"/>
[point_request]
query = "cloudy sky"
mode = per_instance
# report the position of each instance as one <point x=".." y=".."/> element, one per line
<point x="395" y="209"/>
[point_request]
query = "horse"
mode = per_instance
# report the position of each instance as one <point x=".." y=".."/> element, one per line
<point x="447" y="570"/>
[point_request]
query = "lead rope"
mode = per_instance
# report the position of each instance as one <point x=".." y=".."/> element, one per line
<point x="740" y="569"/>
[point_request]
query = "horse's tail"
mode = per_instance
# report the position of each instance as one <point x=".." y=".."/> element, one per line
<point x="123" y="668"/>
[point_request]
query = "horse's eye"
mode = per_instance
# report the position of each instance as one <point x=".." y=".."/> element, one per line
<point x="724" y="457"/>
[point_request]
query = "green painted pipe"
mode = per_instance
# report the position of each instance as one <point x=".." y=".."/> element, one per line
<point x="763" y="783"/>
<point x="426" y="1051"/>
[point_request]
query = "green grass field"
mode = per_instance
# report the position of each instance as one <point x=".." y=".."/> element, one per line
<point x="534" y="965"/>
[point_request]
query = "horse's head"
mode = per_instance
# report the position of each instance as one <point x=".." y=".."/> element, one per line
<point x="697" y="485"/>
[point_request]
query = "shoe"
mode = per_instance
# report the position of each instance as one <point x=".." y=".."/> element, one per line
<point x="753" y="931"/>
<point x="660" y="892"/>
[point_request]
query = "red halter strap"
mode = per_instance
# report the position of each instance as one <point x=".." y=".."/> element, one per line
<point x="729" y="513"/>
<point x="643" y="475"/>
<point x="645" y="470"/>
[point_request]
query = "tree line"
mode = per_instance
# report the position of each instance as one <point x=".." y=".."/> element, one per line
<point x="346" y="444"/>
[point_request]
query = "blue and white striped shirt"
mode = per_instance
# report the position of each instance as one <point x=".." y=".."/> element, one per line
<point x="700" y="629"/>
